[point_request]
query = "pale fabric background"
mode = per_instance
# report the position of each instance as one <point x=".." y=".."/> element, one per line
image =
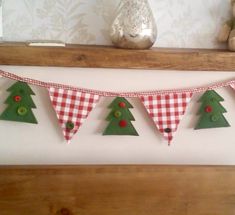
<point x="181" y="23"/>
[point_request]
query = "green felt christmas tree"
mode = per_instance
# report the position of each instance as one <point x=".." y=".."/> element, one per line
<point x="120" y="118"/>
<point x="211" y="111"/>
<point x="19" y="104"/>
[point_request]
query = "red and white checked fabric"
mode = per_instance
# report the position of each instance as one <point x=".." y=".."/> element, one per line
<point x="167" y="111"/>
<point x="72" y="107"/>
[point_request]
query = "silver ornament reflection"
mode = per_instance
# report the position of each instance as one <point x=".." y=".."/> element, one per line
<point x="134" y="26"/>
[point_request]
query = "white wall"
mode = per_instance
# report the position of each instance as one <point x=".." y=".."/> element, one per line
<point x="181" y="23"/>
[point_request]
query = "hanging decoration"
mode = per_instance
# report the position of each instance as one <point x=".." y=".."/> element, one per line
<point x="211" y="111"/>
<point x="166" y="111"/>
<point x="73" y="105"/>
<point x="72" y="108"/>
<point x="120" y="118"/>
<point x="19" y="104"/>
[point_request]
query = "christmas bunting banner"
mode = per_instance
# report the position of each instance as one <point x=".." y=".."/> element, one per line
<point x="73" y="105"/>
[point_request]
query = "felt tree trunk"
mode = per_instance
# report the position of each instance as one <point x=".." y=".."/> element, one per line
<point x="19" y="104"/>
<point x="120" y="118"/>
<point x="211" y="111"/>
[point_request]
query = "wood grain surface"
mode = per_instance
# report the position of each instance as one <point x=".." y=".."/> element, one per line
<point x="108" y="57"/>
<point x="117" y="190"/>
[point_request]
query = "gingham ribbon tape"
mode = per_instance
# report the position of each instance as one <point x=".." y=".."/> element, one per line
<point x="114" y="94"/>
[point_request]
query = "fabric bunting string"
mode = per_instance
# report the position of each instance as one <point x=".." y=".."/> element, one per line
<point x="115" y="94"/>
<point x="72" y="106"/>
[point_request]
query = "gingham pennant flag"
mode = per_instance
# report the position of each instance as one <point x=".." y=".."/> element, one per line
<point x="167" y="111"/>
<point x="72" y="109"/>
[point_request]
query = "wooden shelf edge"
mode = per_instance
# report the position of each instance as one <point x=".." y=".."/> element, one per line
<point x="90" y="56"/>
<point x="113" y="168"/>
<point x="110" y="166"/>
<point x="119" y="189"/>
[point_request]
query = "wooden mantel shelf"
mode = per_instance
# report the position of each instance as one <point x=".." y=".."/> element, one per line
<point x="117" y="190"/>
<point x="109" y="57"/>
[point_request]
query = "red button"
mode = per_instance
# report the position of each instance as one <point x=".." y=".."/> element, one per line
<point x="122" y="104"/>
<point x="17" y="98"/>
<point x="208" y="109"/>
<point x="123" y="123"/>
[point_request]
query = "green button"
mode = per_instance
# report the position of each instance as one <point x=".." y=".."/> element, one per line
<point x="117" y="114"/>
<point x="214" y="118"/>
<point x="22" y="111"/>
<point x="70" y="126"/>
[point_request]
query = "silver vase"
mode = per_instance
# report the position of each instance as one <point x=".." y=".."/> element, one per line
<point x="134" y="26"/>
